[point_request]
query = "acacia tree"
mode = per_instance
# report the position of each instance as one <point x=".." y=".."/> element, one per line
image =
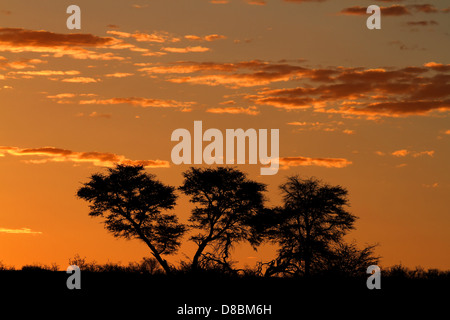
<point x="347" y="258"/>
<point x="312" y="220"/>
<point x="225" y="201"/>
<point x="132" y="202"/>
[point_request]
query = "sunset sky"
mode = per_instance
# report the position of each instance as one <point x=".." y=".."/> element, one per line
<point x="365" y="109"/>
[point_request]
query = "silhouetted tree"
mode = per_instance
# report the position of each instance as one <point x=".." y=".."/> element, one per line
<point x="312" y="219"/>
<point x="348" y="259"/>
<point x="131" y="203"/>
<point x="225" y="202"/>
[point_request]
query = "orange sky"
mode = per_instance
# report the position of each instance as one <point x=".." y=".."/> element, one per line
<point x="366" y="109"/>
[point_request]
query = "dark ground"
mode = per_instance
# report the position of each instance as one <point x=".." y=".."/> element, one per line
<point x="159" y="296"/>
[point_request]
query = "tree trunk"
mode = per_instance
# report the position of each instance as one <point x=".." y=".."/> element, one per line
<point x="155" y="253"/>
<point x="163" y="263"/>
<point x="199" y="252"/>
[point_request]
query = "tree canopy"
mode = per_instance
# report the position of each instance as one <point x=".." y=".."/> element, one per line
<point x="132" y="203"/>
<point x="312" y="219"/>
<point x="225" y="201"/>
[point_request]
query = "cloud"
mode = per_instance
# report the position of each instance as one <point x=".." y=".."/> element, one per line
<point x="209" y="38"/>
<point x="429" y="153"/>
<point x="156" y="37"/>
<point x="330" y="126"/>
<point x="219" y="1"/>
<point x="19" y="40"/>
<point x="438" y="66"/>
<point x="48" y="73"/>
<point x="400" y="153"/>
<point x="19" y="64"/>
<point x="140" y="6"/>
<point x="287" y="162"/>
<point x="188" y="67"/>
<point x="65" y="98"/>
<point x="257" y="2"/>
<point x="372" y="93"/>
<point x="405" y="152"/>
<point x="186" y="49"/>
<point x="394" y="10"/>
<point x="240" y="74"/>
<point x="253" y="111"/>
<point x="19" y="231"/>
<point x="140" y="102"/>
<point x="228" y="102"/>
<point x="81" y="80"/>
<point x="351" y="91"/>
<point x="52" y="154"/>
<point x="119" y="75"/>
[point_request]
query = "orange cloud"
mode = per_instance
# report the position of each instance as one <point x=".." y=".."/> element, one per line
<point x="141" y="102"/>
<point x="404" y="153"/>
<point x="53" y="154"/>
<point x="211" y="37"/>
<point x="20" y="64"/>
<point x="257" y="2"/>
<point x="253" y="111"/>
<point x="240" y="74"/>
<point x="429" y="153"/>
<point x="19" y="231"/>
<point x="157" y="37"/>
<point x="19" y="40"/>
<point x="400" y="153"/>
<point x="48" y="73"/>
<point x="330" y="126"/>
<point x="186" y="49"/>
<point x="287" y="162"/>
<point x="64" y="98"/>
<point x="368" y="92"/>
<point x="438" y="66"/>
<point x="119" y="75"/>
<point x="394" y="10"/>
<point x="234" y="74"/>
<point x="81" y="80"/>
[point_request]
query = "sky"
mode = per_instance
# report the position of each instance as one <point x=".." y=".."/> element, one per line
<point x="364" y="109"/>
